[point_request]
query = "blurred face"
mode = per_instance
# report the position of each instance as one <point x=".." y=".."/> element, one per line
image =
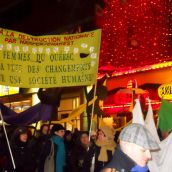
<point x="60" y="133"/>
<point x="23" y="137"/>
<point x="45" y="130"/>
<point x="69" y="137"/>
<point x="94" y="137"/>
<point x="108" y="170"/>
<point x="84" y="139"/>
<point x="101" y="136"/>
<point x="138" y="154"/>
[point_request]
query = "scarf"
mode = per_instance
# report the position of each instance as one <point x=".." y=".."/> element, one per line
<point x="138" y="168"/>
<point x="104" y="146"/>
<point x="60" y="153"/>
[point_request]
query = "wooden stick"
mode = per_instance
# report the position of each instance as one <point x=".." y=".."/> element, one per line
<point x="92" y="110"/>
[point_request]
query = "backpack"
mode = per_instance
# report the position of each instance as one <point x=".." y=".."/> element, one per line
<point x="49" y="161"/>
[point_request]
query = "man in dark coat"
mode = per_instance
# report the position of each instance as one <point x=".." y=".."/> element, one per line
<point x="134" y="150"/>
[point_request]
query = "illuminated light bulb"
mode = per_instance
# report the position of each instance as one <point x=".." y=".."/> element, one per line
<point x="135" y="14"/>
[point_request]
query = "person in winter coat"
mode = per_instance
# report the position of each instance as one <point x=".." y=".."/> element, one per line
<point x="23" y="156"/>
<point x="57" y="134"/>
<point x="3" y="149"/>
<point x="102" y="152"/>
<point x="69" y="145"/>
<point x="39" y="145"/>
<point x="80" y="151"/>
<point x="133" y="152"/>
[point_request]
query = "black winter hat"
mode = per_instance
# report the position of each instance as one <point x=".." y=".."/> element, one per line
<point x="21" y="130"/>
<point x="17" y="132"/>
<point x="57" y="127"/>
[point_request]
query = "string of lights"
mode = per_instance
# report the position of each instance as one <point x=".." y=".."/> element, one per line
<point x="135" y="33"/>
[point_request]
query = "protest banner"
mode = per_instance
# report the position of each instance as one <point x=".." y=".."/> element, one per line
<point x="48" y="61"/>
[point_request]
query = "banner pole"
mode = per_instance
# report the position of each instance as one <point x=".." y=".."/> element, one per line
<point x="34" y="133"/>
<point x="92" y="110"/>
<point x="11" y="155"/>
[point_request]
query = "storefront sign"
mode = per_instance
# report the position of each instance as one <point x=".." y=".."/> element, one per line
<point x="48" y="61"/>
<point x="165" y="91"/>
<point x="6" y="90"/>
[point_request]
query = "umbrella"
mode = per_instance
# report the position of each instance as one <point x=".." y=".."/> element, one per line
<point x="132" y="91"/>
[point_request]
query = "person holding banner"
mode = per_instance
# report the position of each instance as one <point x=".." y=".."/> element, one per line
<point x="23" y="156"/>
<point x="133" y="152"/>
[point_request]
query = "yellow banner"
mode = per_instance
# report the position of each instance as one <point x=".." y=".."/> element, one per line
<point x="76" y="112"/>
<point x="48" y="61"/>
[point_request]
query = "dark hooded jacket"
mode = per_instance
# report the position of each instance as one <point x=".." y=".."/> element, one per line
<point x="79" y="153"/>
<point x="23" y="156"/>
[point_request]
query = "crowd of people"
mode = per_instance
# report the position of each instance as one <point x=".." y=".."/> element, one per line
<point x="75" y="152"/>
<point x="72" y="150"/>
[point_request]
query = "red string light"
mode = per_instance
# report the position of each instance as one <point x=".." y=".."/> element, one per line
<point x="135" y="33"/>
